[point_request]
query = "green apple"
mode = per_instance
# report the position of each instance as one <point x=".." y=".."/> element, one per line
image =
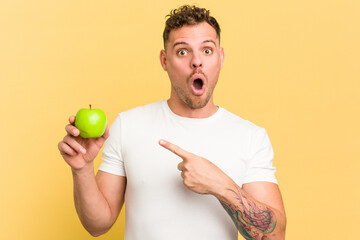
<point x="91" y="122"/>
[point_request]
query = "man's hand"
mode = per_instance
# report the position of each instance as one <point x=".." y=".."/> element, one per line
<point x="78" y="151"/>
<point x="199" y="174"/>
<point x="253" y="219"/>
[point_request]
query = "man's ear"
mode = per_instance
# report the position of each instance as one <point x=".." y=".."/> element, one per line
<point x="222" y="56"/>
<point x="163" y="59"/>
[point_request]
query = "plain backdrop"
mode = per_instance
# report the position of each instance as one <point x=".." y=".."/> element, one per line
<point x="291" y="67"/>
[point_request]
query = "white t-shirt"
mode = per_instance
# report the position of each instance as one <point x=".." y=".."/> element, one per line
<point x="158" y="205"/>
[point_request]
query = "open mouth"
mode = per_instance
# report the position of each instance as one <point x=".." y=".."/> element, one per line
<point x="198" y="84"/>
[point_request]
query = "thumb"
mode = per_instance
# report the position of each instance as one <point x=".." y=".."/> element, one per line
<point x="106" y="133"/>
<point x="101" y="140"/>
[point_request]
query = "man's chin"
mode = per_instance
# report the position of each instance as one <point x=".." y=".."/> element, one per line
<point x="197" y="103"/>
<point x="193" y="101"/>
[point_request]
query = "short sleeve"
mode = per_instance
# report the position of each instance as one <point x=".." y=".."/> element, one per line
<point x="260" y="163"/>
<point x="112" y="161"/>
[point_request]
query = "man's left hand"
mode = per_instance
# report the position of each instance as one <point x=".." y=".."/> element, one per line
<point x="199" y="174"/>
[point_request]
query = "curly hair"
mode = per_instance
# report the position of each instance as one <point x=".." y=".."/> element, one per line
<point x="188" y="15"/>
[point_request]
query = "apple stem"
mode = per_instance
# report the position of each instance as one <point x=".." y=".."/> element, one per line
<point x="90" y="106"/>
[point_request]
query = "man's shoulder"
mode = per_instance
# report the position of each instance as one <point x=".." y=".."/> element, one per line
<point x="236" y="121"/>
<point x="143" y="111"/>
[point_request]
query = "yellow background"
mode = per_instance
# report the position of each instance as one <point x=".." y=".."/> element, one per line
<point x="291" y="67"/>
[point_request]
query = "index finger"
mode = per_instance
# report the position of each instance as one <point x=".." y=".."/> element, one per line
<point x="70" y="128"/>
<point x="174" y="148"/>
<point x="72" y="120"/>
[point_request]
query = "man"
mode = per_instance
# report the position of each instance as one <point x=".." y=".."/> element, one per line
<point x="225" y="170"/>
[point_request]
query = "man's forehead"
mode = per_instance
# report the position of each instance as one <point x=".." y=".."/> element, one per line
<point x="188" y="34"/>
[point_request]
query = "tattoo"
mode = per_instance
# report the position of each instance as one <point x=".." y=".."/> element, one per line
<point x="253" y="221"/>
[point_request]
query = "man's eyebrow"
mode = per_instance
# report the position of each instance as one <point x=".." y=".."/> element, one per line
<point x="185" y="43"/>
<point x="179" y="43"/>
<point x="211" y="41"/>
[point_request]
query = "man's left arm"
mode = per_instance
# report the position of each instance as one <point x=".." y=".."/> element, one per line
<point x="256" y="209"/>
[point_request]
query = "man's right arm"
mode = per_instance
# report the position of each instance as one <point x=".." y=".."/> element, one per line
<point x="98" y="200"/>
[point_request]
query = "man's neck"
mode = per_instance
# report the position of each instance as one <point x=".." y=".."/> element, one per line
<point x="183" y="110"/>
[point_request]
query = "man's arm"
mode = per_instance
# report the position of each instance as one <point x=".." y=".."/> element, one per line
<point x="256" y="209"/>
<point x="98" y="200"/>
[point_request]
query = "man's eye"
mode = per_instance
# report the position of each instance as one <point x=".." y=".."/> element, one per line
<point x="182" y="52"/>
<point x="207" y="51"/>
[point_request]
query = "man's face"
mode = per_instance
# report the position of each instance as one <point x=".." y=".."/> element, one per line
<point x="193" y="59"/>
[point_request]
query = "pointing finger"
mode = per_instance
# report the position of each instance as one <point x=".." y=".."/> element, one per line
<point x="174" y="148"/>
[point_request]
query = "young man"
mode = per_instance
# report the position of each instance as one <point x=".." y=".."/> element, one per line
<point x="225" y="170"/>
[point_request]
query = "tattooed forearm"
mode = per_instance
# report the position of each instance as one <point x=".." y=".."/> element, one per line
<point x="253" y="221"/>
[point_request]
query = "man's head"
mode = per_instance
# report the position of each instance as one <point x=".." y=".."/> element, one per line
<point x="188" y="15"/>
<point x="192" y="58"/>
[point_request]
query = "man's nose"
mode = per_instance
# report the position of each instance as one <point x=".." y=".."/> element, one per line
<point x="196" y="61"/>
